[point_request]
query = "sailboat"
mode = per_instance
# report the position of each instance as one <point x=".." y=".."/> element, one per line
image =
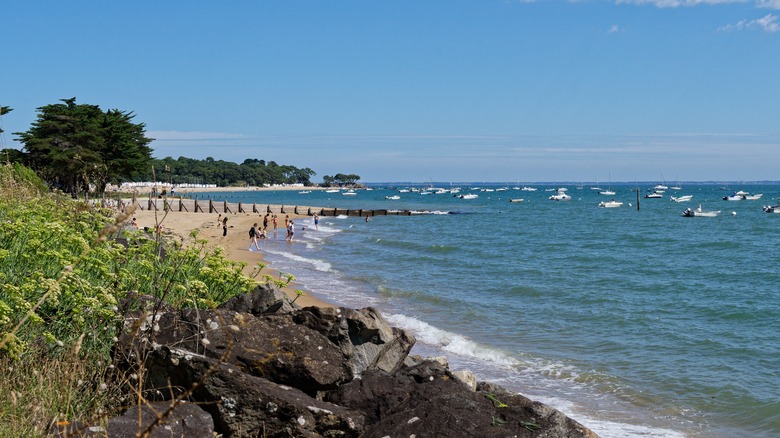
<point x="609" y="191"/>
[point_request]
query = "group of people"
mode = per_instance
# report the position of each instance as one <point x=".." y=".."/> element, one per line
<point x="256" y="233"/>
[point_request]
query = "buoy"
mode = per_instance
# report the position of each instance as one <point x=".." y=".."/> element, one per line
<point x="733" y="213"/>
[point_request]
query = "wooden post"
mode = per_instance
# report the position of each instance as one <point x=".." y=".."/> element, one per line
<point x="240" y="208"/>
<point x="211" y="206"/>
<point x="254" y="208"/>
<point x="227" y="209"/>
<point x="295" y="210"/>
<point x="637" y="199"/>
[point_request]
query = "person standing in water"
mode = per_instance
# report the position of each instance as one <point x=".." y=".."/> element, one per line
<point x="316" y="221"/>
<point x="290" y="231"/>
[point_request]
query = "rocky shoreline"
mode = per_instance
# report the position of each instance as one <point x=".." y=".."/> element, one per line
<point x="260" y="365"/>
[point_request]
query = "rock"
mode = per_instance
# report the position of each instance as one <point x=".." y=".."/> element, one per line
<point x="246" y="405"/>
<point x="363" y="336"/>
<point x="466" y="377"/>
<point x="185" y="420"/>
<point x="269" y="346"/>
<point x="426" y="401"/>
<point x="266" y="298"/>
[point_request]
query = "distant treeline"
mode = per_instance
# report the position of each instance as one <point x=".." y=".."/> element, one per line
<point x="251" y="172"/>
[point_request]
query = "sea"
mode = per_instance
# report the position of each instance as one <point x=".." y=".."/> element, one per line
<point x="635" y="321"/>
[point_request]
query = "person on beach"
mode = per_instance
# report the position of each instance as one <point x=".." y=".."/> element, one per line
<point x="219" y="220"/>
<point x="290" y="231"/>
<point x="265" y="221"/>
<point x="286" y="221"/>
<point x="224" y="226"/>
<point x="316" y="221"/>
<point x="253" y="238"/>
<point x="276" y="223"/>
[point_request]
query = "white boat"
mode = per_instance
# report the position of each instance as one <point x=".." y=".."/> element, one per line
<point x="349" y="193"/>
<point x="332" y="191"/>
<point x="734" y="197"/>
<point x="469" y="196"/>
<point x="304" y="192"/>
<point x="607" y="192"/>
<point x="679" y="199"/>
<point x="610" y="204"/>
<point x="393" y="198"/>
<point x="516" y="200"/>
<point x="698" y="212"/>
<point x="654" y="194"/>
<point x="560" y="196"/>
<point x="755" y="197"/>
<point x="404" y="191"/>
<point x="772" y="208"/>
<point x="660" y="188"/>
<point x="529" y="189"/>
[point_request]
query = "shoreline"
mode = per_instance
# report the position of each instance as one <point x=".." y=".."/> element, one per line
<point x="179" y="225"/>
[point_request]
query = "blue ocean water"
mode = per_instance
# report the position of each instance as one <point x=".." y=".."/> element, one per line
<point x="634" y="322"/>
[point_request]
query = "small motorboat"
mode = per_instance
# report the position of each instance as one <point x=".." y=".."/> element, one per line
<point x="560" y="196"/>
<point x="393" y="198"/>
<point x="679" y="199"/>
<point x="698" y="212"/>
<point x="772" y="208"/>
<point x="654" y="194"/>
<point x="516" y="200"/>
<point x="610" y="204"/>
<point x="469" y="196"/>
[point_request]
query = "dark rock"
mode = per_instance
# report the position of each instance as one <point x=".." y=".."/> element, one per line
<point x="266" y="298"/>
<point x="363" y="336"/>
<point x="184" y="420"/>
<point x="269" y="346"/>
<point x="245" y="405"/>
<point x="426" y="401"/>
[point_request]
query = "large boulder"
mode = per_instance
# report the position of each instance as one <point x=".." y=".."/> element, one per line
<point x="427" y="401"/>
<point x="269" y="346"/>
<point x="265" y="298"/>
<point x="246" y="405"/>
<point x="362" y="335"/>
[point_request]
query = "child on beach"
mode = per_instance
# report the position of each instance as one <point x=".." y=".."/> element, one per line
<point x="224" y="226"/>
<point x="290" y="231"/>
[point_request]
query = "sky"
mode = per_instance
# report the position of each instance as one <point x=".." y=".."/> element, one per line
<point x="398" y="90"/>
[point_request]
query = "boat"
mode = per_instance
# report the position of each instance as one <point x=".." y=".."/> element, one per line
<point x="607" y="192"/>
<point x="560" y="196"/>
<point x="349" y="193"/>
<point x="755" y="197"/>
<point x="772" y="208"/>
<point x="610" y="204"/>
<point x="332" y="191"/>
<point x="734" y="197"/>
<point x="654" y="194"/>
<point x="516" y="200"/>
<point x="698" y="212"/>
<point x="393" y="198"/>
<point x="304" y="192"/>
<point x="469" y="196"/>
<point x="660" y="188"/>
<point x="528" y="189"/>
<point x="678" y="199"/>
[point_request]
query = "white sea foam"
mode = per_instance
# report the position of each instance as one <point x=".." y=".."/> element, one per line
<point x="450" y="342"/>
<point x="319" y="265"/>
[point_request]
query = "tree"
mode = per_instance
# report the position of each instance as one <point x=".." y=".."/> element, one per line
<point x="74" y="146"/>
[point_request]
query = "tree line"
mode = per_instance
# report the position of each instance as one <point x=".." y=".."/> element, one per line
<point x="79" y="148"/>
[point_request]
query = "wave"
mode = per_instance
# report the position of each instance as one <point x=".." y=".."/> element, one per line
<point x="317" y="264"/>
<point x="450" y="342"/>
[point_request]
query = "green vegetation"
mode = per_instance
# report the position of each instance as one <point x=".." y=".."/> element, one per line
<point x="73" y="147"/>
<point x="251" y="172"/>
<point x="80" y="148"/>
<point x="65" y="269"/>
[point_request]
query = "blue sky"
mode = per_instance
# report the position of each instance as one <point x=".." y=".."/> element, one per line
<point x="457" y="90"/>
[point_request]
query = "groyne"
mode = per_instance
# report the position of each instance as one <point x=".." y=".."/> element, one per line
<point x="224" y="207"/>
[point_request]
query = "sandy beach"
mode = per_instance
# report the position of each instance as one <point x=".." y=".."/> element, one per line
<point x="179" y="225"/>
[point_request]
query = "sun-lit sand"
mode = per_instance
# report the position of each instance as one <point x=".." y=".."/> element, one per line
<point x="236" y="244"/>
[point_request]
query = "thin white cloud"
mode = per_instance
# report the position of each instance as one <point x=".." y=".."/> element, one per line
<point x="191" y="135"/>
<point x="768" y="23"/>
<point x="615" y="29"/>
<point x="681" y="3"/>
<point x="768" y="4"/>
